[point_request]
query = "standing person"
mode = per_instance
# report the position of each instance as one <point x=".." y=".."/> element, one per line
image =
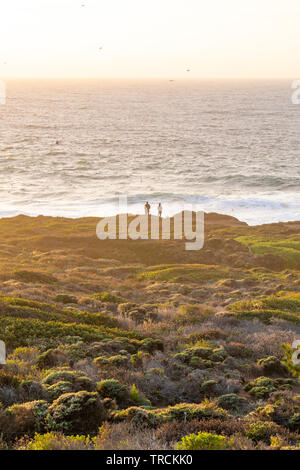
<point x="147" y="208"/>
<point x="159" y="210"/>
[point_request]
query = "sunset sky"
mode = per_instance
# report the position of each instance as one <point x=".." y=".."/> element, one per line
<point x="150" y="38"/>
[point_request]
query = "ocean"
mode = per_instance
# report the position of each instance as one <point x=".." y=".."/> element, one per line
<point x="70" y="148"/>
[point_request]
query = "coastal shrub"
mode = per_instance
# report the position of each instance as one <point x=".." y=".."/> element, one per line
<point x="115" y="361"/>
<point x="281" y="407"/>
<point x="260" y="431"/>
<point x="111" y="388"/>
<point x="255" y="309"/>
<point x="205" y="335"/>
<point x="34" y="277"/>
<point x="138" y="315"/>
<point x="50" y="358"/>
<point x="119" y="360"/>
<point x="173" y="431"/>
<point x="208" y="387"/>
<point x="101" y="361"/>
<point x="150" y="345"/>
<point x="25" y="354"/>
<point x="186" y="273"/>
<point x="137" y="359"/>
<point x="231" y="401"/>
<point x="78" y="381"/>
<point x="272" y="365"/>
<point x="239" y="350"/>
<point x="20" y="302"/>
<point x="137" y="416"/>
<point x="80" y="412"/>
<point x="31" y="390"/>
<point x="59" y="388"/>
<point x="57" y="441"/>
<point x="202" y="441"/>
<point x="125" y="307"/>
<point x="201" y="356"/>
<point x="190" y="314"/>
<point x="113" y="346"/>
<point x="187" y="411"/>
<point x="7" y="379"/>
<point x="27" y="417"/>
<point x="137" y="399"/>
<point x="219" y="354"/>
<point x="294" y="422"/>
<point x="65" y="299"/>
<point x="22" y="332"/>
<point x="263" y="386"/>
<point x="141" y="314"/>
<point x="107" y="297"/>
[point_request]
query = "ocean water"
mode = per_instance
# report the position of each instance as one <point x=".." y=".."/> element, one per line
<point x="70" y="148"/>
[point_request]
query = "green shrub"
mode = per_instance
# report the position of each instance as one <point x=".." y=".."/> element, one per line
<point x="137" y="359"/>
<point x="115" y="361"/>
<point x="272" y="365"/>
<point x="101" y="361"/>
<point x="202" y="441"/>
<point x="190" y="314"/>
<point x="55" y="441"/>
<point x="111" y="388"/>
<point x="23" y="332"/>
<point x="50" y="358"/>
<point x="138" y="315"/>
<point x="65" y="299"/>
<point x="294" y="422"/>
<point x="150" y="345"/>
<point x="208" y="386"/>
<point x="7" y="379"/>
<point x="137" y="399"/>
<point x="119" y="360"/>
<point x="80" y="412"/>
<point x="137" y="416"/>
<point x="125" y="307"/>
<point x="34" y="277"/>
<point x="59" y="388"/>
<point x="260" y="431"/>
<point x="28" y="417"/>
<point x="107" y="297"/>
<point x="189" y="411"/>
<point x="263" y="386"/>
<point x="231" y="401"/>
<point x="201" y="356"/>
<point x="78" y="381"/>
<point x="25" y="354"/>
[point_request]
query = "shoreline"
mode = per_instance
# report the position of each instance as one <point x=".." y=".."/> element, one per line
<point x="217" y="215"/>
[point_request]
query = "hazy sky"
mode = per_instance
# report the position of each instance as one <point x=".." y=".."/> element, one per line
<point x="150" y="38"/>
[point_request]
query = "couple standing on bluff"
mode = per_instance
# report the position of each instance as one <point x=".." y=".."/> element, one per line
<point x="148" y="207"/>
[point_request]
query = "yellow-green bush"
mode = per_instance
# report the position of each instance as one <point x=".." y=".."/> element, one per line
<point x="203" y="441"/>
<point x="57" y="441"/>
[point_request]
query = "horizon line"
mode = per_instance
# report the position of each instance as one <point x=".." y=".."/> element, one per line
<point x="190" y="78"/>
